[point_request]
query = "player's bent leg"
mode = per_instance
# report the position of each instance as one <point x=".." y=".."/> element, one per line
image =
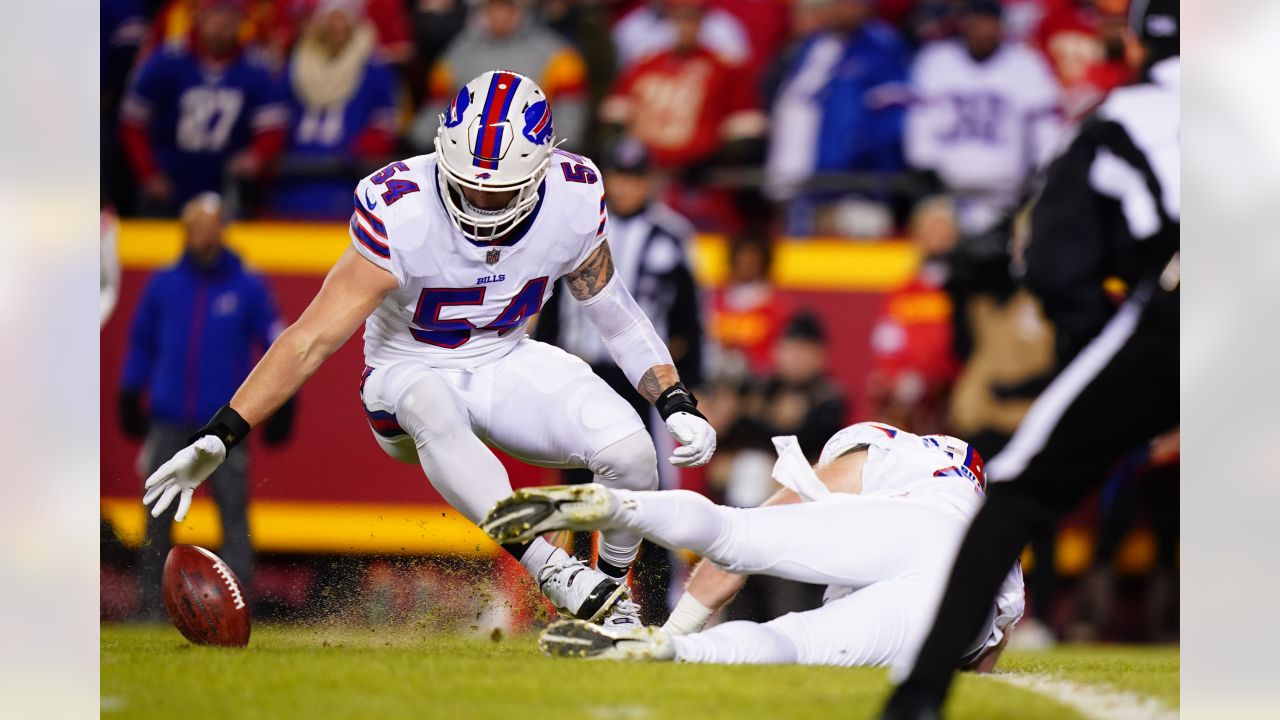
<point x="470" y="478"/>
<point x="846" y="540"/>
<point x="628" y="464"/>
<point x="736" y="643"/>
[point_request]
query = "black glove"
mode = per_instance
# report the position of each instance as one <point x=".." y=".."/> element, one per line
<point x="277" y="429"/>
<point x="133" y="417"/>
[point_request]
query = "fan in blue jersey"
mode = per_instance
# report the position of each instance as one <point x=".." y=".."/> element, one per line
<point x="342" y="108"/>
<point x="196" y="111"/>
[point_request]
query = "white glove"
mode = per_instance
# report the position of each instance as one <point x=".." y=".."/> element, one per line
<point x="696" y="437"/>
<point x="183" y="474"/>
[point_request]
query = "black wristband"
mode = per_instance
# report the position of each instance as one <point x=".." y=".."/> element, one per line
<point x="677" y="398"/>
<point x="226" y="425"/>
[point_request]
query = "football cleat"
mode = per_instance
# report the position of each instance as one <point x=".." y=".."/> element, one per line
<point x="626" y="614"/>
<point x="579" y="591"/>
<point x="528" y="513"/>
<point x="577" y="639"/>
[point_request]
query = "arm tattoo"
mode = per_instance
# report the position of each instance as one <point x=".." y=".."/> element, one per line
<point x="592" y="275"/>
<point x="655" y="380"/>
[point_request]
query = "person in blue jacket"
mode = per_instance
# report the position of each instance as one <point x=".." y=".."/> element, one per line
<point x="838" y="102"/>
<point x="191" y="344"/>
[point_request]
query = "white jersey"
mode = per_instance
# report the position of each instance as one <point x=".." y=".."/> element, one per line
<point x="982" y="126"/>
<point x="937" y="467"/>
<point x="462" y="303"/>
<point x="901" y="462"/>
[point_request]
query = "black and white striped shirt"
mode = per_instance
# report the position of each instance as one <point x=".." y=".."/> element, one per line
<point x="1110" y="206"/>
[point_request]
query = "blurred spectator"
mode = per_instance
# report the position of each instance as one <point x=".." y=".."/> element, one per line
<point x="747" y="313"/>
<point x="504" y="35"/>
<point x="650" y="246"/>
<point x="198" y="111"/>
<point x="913" y="357"/>
<point x="1113" y="69"/>
<point x="123" y="26"/>
<point x="800" y="399"/>
<point x="648" y="29"/>
<point x="839" y="107"/>
<point x="266" y="26"/>
<point x="686" y="104"/>
<point x="271" y="26"/>
<point x="342" y="105"/>
<point x="435" y="24"/>
<point x="986" y="114"/>
<point x="768" y="27"/>
<point x="390" y="20"/>
<point x="1145" y="482"/>
<point x="189" y="349"/>
<point x="585" y="25"/>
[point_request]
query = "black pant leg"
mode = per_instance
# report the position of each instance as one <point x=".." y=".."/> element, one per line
<point x="230" y="487"/>
<point x="163" y="442"/>
<point x="1130" y="398"/>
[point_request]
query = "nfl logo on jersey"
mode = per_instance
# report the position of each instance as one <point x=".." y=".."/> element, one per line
<point x="491" y="257"/>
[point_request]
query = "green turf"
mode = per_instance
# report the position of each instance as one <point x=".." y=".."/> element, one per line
<point x="342" y="672"/>
<point x="1143" y="670"/>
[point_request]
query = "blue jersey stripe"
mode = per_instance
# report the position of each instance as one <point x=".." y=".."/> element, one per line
<point x="367" y="240"/>
<point x="374" y="223"/>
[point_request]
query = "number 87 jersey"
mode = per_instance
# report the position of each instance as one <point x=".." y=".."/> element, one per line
<point x="464" y="301"/>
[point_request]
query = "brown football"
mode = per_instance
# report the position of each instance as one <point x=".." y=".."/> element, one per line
<point x="204" y="599"/>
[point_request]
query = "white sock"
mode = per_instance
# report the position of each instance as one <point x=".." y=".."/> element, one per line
<point x="539" y="554"/>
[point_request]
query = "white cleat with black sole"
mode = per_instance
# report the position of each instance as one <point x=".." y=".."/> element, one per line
<point x="577" y="639"/>
<point x="532" y="511"/>
<point x="580" y="591"/>
<point x="624" y="615"/>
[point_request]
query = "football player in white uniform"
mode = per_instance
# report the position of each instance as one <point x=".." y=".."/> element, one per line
<point x="878" y="520"/>
<point x="451" y="254"/>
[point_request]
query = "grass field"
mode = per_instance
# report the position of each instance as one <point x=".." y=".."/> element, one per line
<point x="149" y="671"/>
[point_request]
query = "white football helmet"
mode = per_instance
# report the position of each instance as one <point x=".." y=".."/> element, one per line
<point x="495" y="136"/>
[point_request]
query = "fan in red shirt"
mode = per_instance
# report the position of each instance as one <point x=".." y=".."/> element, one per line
<point x="914" y="363"/>
<point x="685" y="104"/>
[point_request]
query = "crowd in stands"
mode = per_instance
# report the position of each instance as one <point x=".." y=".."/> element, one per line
<point x="805" y="117"/>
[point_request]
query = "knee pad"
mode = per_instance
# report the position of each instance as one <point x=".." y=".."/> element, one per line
<point x="629" y="464"/>
<point x="428" y="411"/>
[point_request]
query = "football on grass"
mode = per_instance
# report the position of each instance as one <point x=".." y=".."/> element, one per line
<point x="204" y="599"/>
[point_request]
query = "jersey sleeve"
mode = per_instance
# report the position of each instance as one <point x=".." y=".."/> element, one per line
<point x="370" y="235"/>
<point x="593" y="219"/>
<point x="146" y="90"/>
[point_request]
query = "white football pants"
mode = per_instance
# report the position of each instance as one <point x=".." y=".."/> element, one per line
<point x="890" y="553"/>
<point x="538" y="404"/>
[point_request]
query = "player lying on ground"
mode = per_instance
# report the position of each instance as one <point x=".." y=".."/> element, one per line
<point x="451" y="254"/>
<point x="878" y="520"/>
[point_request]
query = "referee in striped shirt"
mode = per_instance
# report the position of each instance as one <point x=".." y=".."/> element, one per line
<point x="1109" y="206"/>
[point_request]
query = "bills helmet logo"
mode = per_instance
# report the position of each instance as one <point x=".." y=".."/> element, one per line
<point x="537" y="122"/>
<point x="453" y="117"/>
<point x="483" y="176"/>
